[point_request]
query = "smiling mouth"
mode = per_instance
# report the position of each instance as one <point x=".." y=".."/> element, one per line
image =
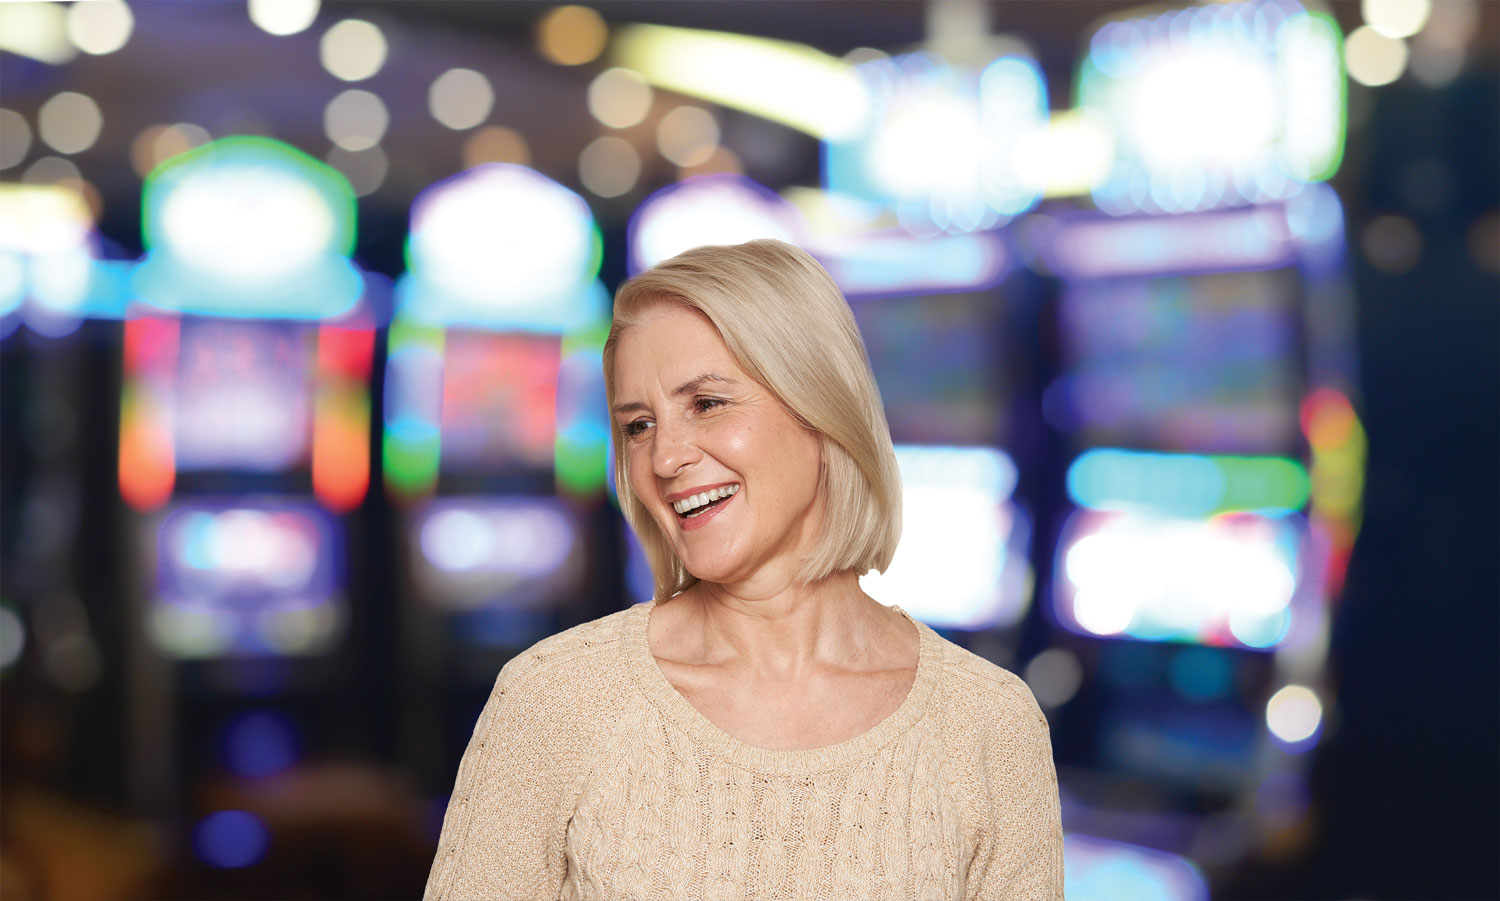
<point x="698" y="504"/>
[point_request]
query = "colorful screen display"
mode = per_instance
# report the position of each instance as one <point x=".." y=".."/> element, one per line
<point x="499" y="401"/>
<point x="247" y="578"/>
<point x="518" y="553"/>
<point x="243" y="395"/>
<point x="937" y="361"/>
<point x="1198" y="362"/>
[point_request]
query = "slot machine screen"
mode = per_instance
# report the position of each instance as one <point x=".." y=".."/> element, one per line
<point x="244" y="395"/>
<point x="499" y="401"/>
<point x="1198" y="362"/>
<point x="936" y="359"/>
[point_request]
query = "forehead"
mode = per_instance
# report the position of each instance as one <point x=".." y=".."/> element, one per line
<point x="667" y="345"/>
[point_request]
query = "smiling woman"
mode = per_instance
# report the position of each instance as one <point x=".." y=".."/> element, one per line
<point x="762" y="727"/>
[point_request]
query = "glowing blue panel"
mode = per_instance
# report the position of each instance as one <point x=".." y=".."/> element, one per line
<point x="247" y="578"/>
<point x="962" y="560"/>
<point x="943" y="145"/>
<point x="897" y="264"/>
<point x="502" y="247"/>
<point x="1097" y="869"/>
<point x="710" y="209"/>
<point x="250" y="227"/>
<point x="1185" y="485"/>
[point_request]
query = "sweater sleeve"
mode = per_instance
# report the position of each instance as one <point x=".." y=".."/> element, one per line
<point x="506" y="822"/>
<point x="1021" y="854"/>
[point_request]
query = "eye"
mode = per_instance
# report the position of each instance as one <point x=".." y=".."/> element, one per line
<point x="704" y="404"/>
<point x="635" y="428"/>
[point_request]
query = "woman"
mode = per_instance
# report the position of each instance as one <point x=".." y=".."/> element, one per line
<point x="763" y="728"/>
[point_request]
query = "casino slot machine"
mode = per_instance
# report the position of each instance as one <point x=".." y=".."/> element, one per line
<point x="1205" y="393"/>
<point x="244" y="461"/>
<point x="493" y="439"/>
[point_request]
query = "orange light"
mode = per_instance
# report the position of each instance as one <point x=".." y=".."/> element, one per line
<point x="148" y="457"/>
<point x="1328" y="420"/>
<point x="148" y="467"/>
<point x="341" y="417"/>
<point x="341" y="446"/>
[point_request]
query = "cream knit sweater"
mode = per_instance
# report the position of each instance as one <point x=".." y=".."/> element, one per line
<point x="590" y="777"/>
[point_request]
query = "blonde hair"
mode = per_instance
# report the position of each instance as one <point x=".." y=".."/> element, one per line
<point x="790" y="329"/>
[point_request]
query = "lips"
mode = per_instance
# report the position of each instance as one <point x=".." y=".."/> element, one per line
<point x="699" y="517"/>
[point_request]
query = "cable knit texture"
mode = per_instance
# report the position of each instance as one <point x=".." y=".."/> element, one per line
<point x="590" y="778"/>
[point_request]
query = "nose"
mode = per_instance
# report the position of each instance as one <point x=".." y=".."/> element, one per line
<point x="672" y="450"/>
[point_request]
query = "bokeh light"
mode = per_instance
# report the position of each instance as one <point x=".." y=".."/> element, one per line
<point x="1392" y="244"/>
<point x="495" y="144"/>
<point x="230" y="839"/>
<point x="353" y="50"/>
<point x="1294" y="714"/>
<point x="158" y="143"/>
<point x="283" y="17"/>
<point x="69" y="122"/>
<point x="571" y="35"/>
<point x="355" y="120"/>
<point x="688" y="135"/>
<point x="460" y="98"/>
<point x="36" y="30"/>
<point x="51" y="170"/>
<point x="1372" y="58"/>
<point x="1054" y="677"/>
<point x="609" y="166"/>
<point x="366" y="169"/>
<point x="619" y="97"/>
<point x="15" y="138"/>
<point x="100" y="26"/>
<point x="1396" y="18"/>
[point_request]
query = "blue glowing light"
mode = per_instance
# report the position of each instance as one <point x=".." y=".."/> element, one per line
<point x="945" y="147"/>
<point x="230" y="839"/>
<point x="1097" y="869"/>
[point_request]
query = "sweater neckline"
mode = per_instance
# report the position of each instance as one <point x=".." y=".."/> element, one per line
<point x="653" y="682"/>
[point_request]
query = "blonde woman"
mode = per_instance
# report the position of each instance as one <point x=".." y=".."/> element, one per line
<point x="762" y="728"/>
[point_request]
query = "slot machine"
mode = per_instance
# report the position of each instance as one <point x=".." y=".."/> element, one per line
<point x="494" y="439"/>
<point x="1205" y="394"/>
<point x="244" y="460"/>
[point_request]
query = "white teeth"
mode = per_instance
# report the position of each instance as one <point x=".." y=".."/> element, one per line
<point x="705" y="497"/>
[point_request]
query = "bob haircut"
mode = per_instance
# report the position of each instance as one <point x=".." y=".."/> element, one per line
<point x="790" y="329"/>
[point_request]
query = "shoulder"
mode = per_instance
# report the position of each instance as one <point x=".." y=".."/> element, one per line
<point x="986" y="706"/>
<point x="574" y="667"/>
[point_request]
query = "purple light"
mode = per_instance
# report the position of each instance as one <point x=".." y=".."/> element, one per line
<point x="259" y="744"/>
<point x="230" y="839"/>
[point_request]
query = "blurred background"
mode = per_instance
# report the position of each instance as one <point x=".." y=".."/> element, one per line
<point x="1185" y="319"/>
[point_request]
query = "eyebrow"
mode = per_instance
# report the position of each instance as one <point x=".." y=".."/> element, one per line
<point x="687" y="387"/>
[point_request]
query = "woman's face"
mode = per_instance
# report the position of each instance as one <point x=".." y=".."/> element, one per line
<point x="692" y="421"/>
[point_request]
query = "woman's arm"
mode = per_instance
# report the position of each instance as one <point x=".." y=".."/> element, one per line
<point x="1021" y="856"/>
<point x="506" y="822"/>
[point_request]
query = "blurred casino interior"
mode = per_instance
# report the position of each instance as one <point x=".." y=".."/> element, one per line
<point x="1186" y="319"/>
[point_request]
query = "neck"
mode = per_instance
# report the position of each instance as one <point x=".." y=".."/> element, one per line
<point x="780" y="632"/>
